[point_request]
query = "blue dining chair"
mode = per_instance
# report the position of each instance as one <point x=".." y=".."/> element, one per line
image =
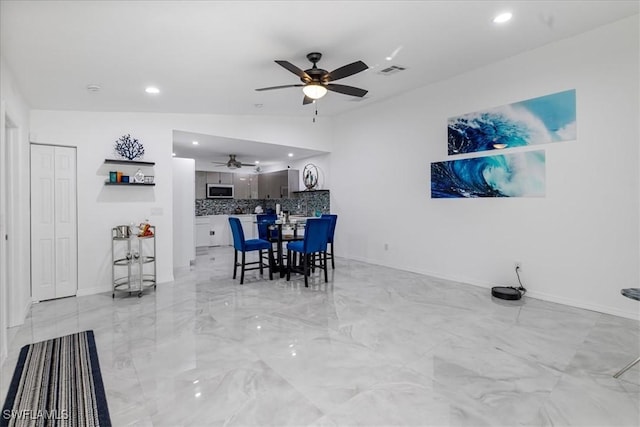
<point x="316" y="235"/>
<point x="244" y="246"/>
<point x="263" y="222"/>
<point x="332" y="231"/>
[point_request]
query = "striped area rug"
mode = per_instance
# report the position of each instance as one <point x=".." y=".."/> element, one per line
<point x="57" y="383"/>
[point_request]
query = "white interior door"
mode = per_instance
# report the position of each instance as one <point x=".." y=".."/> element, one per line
<point x="66" y="242"/>
<point x="3" y="232"/>
<point x="42" y="223"/>
<point x="53" y="222"/>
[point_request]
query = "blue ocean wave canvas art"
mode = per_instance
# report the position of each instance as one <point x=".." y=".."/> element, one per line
<point x="507" y="175"/>
<point x="541" y="120"/>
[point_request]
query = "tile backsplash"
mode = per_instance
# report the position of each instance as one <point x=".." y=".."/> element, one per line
<point x="303" y="203"/>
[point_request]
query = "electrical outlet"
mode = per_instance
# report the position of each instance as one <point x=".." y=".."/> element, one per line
<point x="517" y="264"/>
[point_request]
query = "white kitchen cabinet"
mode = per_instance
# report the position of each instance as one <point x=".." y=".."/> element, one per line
<point x="213" y="230"/>
<point x="220" y="231"/>
<point x="202" y="231"/>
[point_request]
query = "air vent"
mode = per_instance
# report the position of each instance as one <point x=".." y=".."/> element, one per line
<point x="391" y="70"/>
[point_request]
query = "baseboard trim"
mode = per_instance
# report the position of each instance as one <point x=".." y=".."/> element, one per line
<point x="22" y="315"/>
<point x="91" y="291"/>
<point x="586" y="306"/>
<point x="26" y="310"/>
<point x="531" y="294"/>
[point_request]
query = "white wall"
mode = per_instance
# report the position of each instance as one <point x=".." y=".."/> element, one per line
<point x="15" y="303"/>
<point x="579" y="245"/>
<point x="184" y="227"/>
<point x="101" y="207"/>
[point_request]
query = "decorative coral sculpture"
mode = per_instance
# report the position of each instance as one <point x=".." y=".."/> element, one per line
<point x="129" y="148"/>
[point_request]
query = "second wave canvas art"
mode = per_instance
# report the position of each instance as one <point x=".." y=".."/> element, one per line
<point x="505" y="175"/>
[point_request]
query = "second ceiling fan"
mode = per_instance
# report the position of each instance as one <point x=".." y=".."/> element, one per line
<point x="316" y="81"/>
<point x="232" y="163"/>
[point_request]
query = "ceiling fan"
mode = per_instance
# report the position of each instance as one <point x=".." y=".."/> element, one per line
<point x="232" y="163"/>
<point x="317" y="81"/>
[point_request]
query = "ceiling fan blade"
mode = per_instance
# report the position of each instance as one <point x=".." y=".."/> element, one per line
<point x="346" y="71"/>
<point x="306" y="100"/>
<point x="295" y="70"/>
<point x="347" y="90"/>
<point x="277" y="87"/>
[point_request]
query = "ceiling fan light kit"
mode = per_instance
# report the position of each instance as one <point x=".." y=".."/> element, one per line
<point x="314" y="90"/>
<point x="316" y="81"/>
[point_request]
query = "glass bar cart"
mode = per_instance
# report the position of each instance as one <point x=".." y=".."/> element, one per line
<point x="133" y="260"/>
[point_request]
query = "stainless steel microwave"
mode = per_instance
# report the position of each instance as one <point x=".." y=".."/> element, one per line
<point x="219" y="191"/>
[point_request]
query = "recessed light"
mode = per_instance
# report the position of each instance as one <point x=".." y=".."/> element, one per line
<point x="93" y="88"/>
<point x="257" y="162"/>
<point x="152" y="90"/>
<point x="173" y="154"/>
<point x="290" y="154"/>
<point x="194" y="142"/>
<point x="502" y="18"/>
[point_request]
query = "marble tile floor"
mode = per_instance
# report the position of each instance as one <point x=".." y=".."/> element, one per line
<point x="373" y="347"/>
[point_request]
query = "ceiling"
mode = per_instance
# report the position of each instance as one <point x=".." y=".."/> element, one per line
<point x="212" y="149"/>
<point x="209" y="56"/>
